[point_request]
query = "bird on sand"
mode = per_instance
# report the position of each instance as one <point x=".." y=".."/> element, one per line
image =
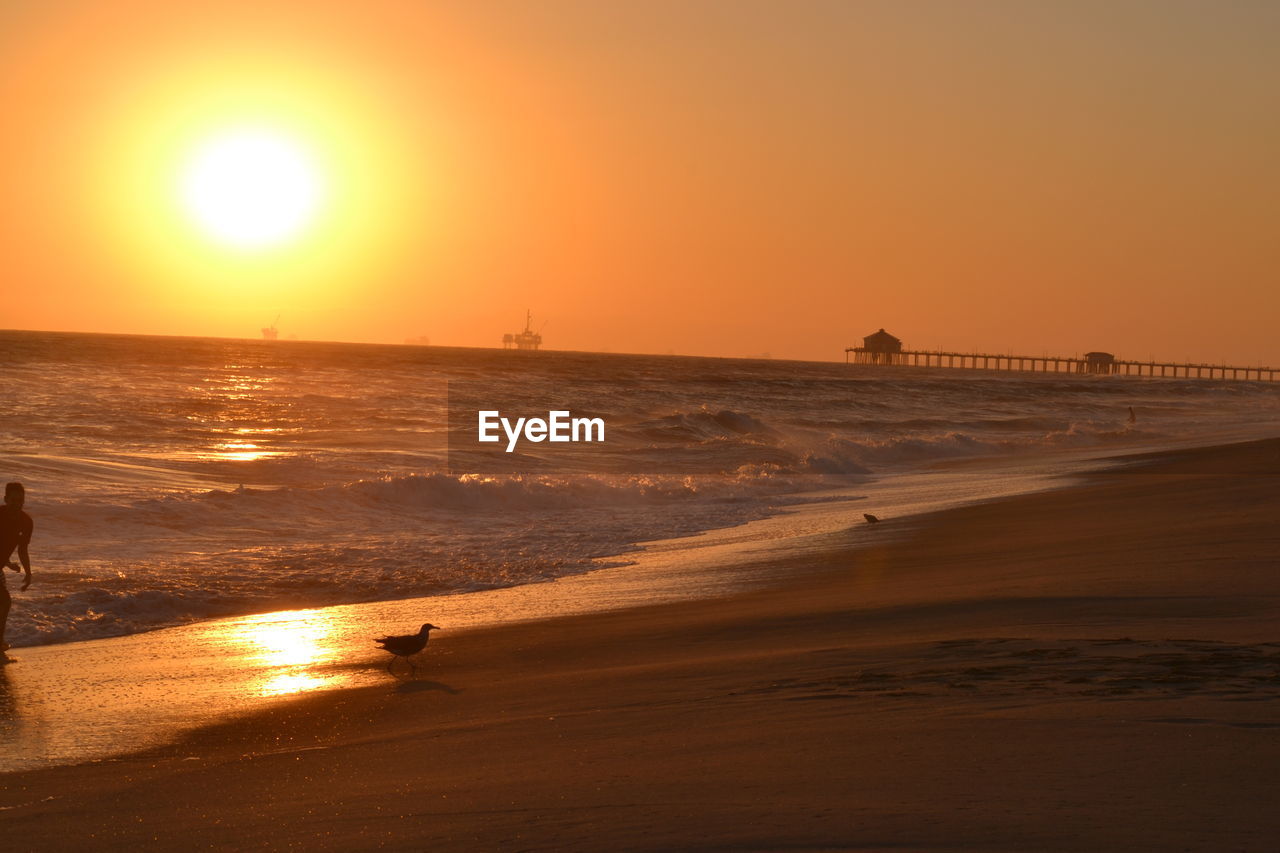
<point x="871" y="519"/>
<point x="407" y="645"/>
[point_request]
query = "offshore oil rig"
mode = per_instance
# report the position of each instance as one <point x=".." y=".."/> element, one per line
<point x="526" y="340"/>
<point x="882" y="348"/>
<point x="271" y="333"/>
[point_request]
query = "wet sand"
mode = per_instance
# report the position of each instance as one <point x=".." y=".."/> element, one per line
<point x="1092" y="668"/>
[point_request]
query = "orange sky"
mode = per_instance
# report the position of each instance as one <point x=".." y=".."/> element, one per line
<point x="719" y="178"/>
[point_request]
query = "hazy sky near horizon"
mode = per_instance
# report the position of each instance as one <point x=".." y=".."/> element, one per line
<point x="715" y="177"/>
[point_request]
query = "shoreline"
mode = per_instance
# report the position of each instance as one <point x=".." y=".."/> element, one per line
<point x="72" y="703"/>
<point x="941" y="690"/>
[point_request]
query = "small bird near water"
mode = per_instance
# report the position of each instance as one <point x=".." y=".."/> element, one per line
<point x="407" y="645"/>
<point x="871" y="519"/>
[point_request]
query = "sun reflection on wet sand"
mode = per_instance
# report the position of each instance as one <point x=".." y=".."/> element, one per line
<point x="290" y="682"/>
<point x="297" y="641"/>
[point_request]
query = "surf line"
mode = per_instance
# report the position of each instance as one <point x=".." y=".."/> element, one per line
<point x="558" y="426"/>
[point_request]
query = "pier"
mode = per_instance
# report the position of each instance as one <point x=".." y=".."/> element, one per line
<point x="881" y="348"/>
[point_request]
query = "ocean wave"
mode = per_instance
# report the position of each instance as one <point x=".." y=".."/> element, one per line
<point x="369" y="499"/>
<point x="180" y="558"/>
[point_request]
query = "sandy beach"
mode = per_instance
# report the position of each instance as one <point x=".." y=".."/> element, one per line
<point x="1086" y="669"/>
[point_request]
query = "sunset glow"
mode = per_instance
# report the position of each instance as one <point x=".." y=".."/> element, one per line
<point x="706" y="178"/>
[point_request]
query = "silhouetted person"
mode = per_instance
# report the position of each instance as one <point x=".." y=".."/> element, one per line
<point x="1133" y="418"/>
<point x="15" y="532"/>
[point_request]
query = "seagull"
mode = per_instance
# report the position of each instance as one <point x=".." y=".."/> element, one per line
<point x="407" y="645"/>
<point x="871" y="519"/>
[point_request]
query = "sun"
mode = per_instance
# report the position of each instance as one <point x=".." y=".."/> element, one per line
<point x="251" y="188"/>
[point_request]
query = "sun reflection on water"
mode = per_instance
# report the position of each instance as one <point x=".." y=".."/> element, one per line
<point x="236" y="409"/>
<point x="239" y="451"/>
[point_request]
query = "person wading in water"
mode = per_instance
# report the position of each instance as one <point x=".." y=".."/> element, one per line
<point x="15" y="532"/>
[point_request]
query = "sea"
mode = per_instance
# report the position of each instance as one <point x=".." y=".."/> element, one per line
<point x="174" y="480"/>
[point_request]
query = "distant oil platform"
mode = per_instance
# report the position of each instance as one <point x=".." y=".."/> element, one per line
<point x="271" y="333"/>
<point x="882" y="348"/>
<point x="526" y="340"/>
